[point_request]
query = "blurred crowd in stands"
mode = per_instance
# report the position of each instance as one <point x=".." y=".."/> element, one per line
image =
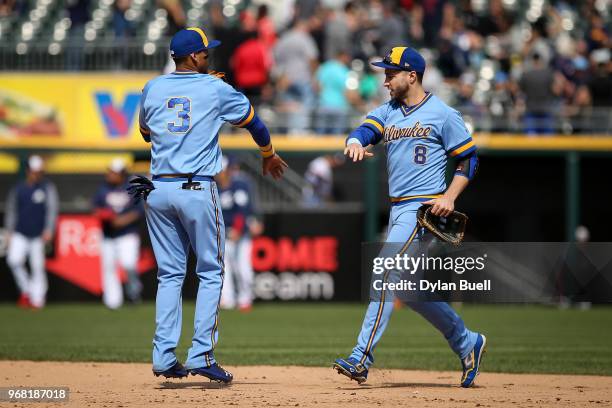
<point x="535" y="66"/>
<point x="503" y="65"/>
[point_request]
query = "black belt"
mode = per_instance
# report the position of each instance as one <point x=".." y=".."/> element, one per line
<point x="179" y="176"/>
<point x="192" y="179"/>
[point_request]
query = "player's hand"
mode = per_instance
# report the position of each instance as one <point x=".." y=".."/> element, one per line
<point x="233" y="234"/>
<point x="118" y="221"/>
<point x="46" y="236"/>
<point x="275" y="166"/>
<point x="357" y="152"/>
<point x="255" y="228"/>
<point x="442" y="206"/>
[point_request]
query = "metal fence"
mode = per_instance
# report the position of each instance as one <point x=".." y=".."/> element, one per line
<point x="83" y="57"/>
<point x="312" y="121"/>
<point x="137" y="54"/>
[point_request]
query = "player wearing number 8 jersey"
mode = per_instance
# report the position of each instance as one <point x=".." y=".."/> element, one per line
<point x="181" y="114"/>
<point x="419" y="133"/>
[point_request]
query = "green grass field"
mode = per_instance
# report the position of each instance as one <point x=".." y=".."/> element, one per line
<point x="521" y="338"/>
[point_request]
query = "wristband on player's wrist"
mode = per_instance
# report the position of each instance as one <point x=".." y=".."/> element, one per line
<point x="267" y="151"/>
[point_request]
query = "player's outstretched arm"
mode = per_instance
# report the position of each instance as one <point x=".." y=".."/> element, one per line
<point x="358" y="141"/>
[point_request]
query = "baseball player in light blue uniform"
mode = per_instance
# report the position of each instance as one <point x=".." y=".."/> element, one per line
<point x="181" y="114"/>
<point x="419" y="133"/>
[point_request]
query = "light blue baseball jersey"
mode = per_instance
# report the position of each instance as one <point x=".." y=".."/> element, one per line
<point x="182" y="113"/>
<point x="418" y="140"/>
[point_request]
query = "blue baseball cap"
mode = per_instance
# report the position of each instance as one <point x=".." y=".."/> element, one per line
<point x="403" y="59"/>
<point x="189" y="40"/>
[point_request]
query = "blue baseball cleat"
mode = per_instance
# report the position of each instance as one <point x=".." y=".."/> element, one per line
<point x="471" y="363"/>
<point x="351" y="368"/>
<point x="215" y="372"/>
<point x="176" y="371"/>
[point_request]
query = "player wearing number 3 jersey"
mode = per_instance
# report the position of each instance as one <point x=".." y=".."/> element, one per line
<point x="419" y="133"/>
<point x="181" y="114"/>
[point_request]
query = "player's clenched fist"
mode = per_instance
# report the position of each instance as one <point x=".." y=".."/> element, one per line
<point x="357" y="152"/>
<point x="274" y="165"/>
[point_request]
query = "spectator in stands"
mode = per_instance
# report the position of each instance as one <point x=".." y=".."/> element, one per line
<point x="176" y="15"/>
<point x="122" y="27"/>
<point x="480" y="37"/>
<point x="450" y="60"/>
<point x="305" y="9"/>
<point x="251" y="66"/>
<point x="497" y="21"/>
<point x="79" y="14"/>
<point x="30" y="220"/>
<point x="600" y="84"/>
<point x="320" y="179"/>
<point x="230" y="37"/>
<point x="392" y="29"/>
<point x="465" y="91"/>
<point x="176" y="22"/>
<point x="334" y="95"/>
<point x="433" y="16"/>
<point x="538" y="44"/>
<point x="265" y="27"/>
<point x="433" y="80"/>
<point x="501" y="103"/>
<point x="123" y="30"/>
<point x="7" y="7"/>
<point x="296" y="57"/>
<point x="597" y="36"/>
<point x="541" y="87"/>
<point x="370" y="88"/>
<point x="415" y="22"/>
<point x="339" y="31"/>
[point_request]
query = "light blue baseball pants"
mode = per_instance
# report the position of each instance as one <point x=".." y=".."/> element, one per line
<point x="176" y="219"/>
<point x="403" y="229"/>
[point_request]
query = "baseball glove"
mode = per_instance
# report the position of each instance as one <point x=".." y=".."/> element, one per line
<point x="140" y="187"/>
<point x="450" y="229"/>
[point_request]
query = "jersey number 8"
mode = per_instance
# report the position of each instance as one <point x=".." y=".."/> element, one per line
<point x="420" y="154"/>
<point x="182" y="114"/>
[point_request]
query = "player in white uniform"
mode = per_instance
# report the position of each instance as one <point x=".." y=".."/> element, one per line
<point x="120" y="245"/>
<point x="237" y="203"/>
<point x="30" y="219"/>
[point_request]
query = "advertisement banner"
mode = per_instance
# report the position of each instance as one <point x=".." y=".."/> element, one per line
<point x="309" y="256"/>
<point x="301" y="257"/>
<point x="71" y="111"/>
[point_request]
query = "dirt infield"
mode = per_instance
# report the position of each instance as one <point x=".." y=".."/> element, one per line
<point x="132" y="385"/>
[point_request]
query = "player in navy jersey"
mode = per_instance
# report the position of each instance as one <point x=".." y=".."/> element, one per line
<point x="238" y="204"/>
<point x="419" y="133"/>
<point x="181" y="114"/>
<point x="30" y="220"/>
<point x="120" y="218"/>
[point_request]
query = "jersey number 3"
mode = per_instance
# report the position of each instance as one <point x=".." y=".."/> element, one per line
<point x="420" y="154"/>
<point x="184" y="104"/>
